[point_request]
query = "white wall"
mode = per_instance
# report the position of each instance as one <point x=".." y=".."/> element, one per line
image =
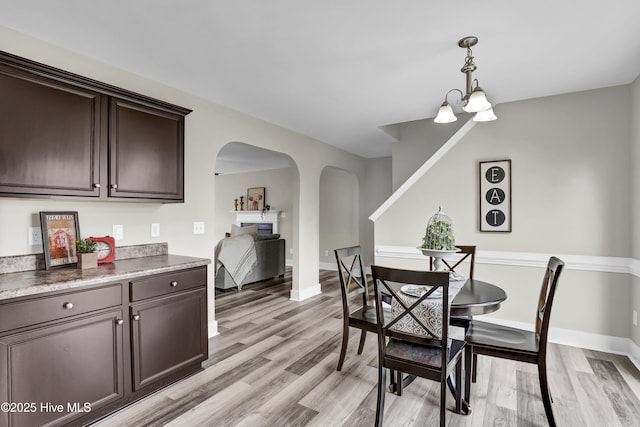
<point x="374" y="190"/>
<point x="571" y="181"/>
<point x="417" y="141"/>
<point x="279" y="187"/>
<point x="634" y="196"/>
<point x="207" y="129"/>
<point x="339" y="213"/>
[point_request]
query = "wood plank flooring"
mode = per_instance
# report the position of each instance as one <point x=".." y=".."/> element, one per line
<point x="274" y="364"/>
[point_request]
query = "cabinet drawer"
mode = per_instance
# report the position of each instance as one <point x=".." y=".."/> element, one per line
<point x="153" y="286"/>
<point x="39" y="310"/>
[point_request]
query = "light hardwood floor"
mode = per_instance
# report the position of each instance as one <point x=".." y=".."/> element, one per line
<point x="274" y="364"/>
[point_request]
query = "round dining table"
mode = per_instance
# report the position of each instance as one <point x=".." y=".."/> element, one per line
<point x="477" y="297"/>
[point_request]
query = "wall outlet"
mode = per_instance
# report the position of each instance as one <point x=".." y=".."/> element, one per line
<point x="118" y="232"/>
<point x="283" y="214"/>
<point x="35" y="236"/>
<point x="326" y="253"/>
<point x="635" y="318"/>
<point x="155" y="230"/>
<point x="198" y="228"/>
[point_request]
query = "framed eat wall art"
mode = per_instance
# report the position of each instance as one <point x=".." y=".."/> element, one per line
<point x="495" y="195"/>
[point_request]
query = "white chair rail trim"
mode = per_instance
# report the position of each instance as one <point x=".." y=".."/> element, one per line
<point x="529" y="259"/>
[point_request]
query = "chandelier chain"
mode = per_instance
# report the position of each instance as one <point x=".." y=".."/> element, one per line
<point x="469" y="65"/>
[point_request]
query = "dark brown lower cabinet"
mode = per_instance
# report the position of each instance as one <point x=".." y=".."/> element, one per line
<point x="168" y="334"/>
<point x="71" y="357"/>
<point x="59" y="373"/>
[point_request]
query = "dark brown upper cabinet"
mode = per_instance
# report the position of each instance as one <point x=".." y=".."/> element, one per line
<point x="64" y="135"/>
<point x="146" y="151"/>
<point x="49" y="136"/>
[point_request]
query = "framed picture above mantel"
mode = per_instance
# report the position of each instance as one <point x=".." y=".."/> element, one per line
<point x="495" y="196"/>
<point x="255" y="198"/>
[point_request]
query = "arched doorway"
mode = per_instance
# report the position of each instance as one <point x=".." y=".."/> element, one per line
<point x="240" y="167"/>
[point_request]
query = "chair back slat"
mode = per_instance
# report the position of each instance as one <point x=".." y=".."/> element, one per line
<point x="545" y="301"/>
<point x="387" y="283"/>
<point x="468" y="257"/>
<point x="352" y="275"/>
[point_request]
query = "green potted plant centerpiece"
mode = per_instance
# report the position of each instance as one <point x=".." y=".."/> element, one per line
<point x="87" y="256"/>
<point x="439" y="240"/>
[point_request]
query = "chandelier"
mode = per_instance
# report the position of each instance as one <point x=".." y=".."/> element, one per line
<point x="474" y="100"/>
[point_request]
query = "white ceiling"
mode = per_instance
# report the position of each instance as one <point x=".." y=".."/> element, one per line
<point x="336" y="70"/>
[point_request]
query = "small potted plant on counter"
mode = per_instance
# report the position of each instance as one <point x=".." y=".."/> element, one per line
<point x="87" y="256"/>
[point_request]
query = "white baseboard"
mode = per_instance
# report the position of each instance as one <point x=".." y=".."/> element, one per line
<point x="213" y="329"/>
<point x="604" y="343"/>
<point x="634" y="354"/>
<point x="307" y="292"/>
<point x="332" y="266"/>
<point x="328" y="266"/>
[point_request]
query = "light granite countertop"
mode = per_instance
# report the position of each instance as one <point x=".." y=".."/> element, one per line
<point x="33" y="282"/>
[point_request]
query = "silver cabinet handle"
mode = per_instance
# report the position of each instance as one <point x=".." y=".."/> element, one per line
<point x="174" y="284"/>
<point x="67" y="305"/>
<point x="114" y="186"/>
<point x="136" y="317"/>
<point x="119" y="322"/>
<point x="96" y="185"/>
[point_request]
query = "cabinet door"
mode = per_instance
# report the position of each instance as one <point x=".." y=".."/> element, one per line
<point x="168" y="334"/>
<point x="49" y="136"/>
<point x="146" y="148"/>
<point x="64" y="370"/>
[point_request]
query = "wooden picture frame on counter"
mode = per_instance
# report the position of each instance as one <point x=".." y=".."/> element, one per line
<point x="60" y="230"/>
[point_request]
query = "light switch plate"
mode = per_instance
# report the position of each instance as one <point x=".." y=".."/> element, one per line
<point x="198" y="228"/>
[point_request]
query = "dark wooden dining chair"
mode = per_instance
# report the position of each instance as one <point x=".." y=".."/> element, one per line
<point x="516" y="344"/>
<point x="426" y="351"/>
<point x="356" y="312"/>
<point x="468" y="257"/>
<point x="464" y="257"/>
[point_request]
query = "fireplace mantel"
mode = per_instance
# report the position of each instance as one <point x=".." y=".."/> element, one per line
<point x="254" y="217"/>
